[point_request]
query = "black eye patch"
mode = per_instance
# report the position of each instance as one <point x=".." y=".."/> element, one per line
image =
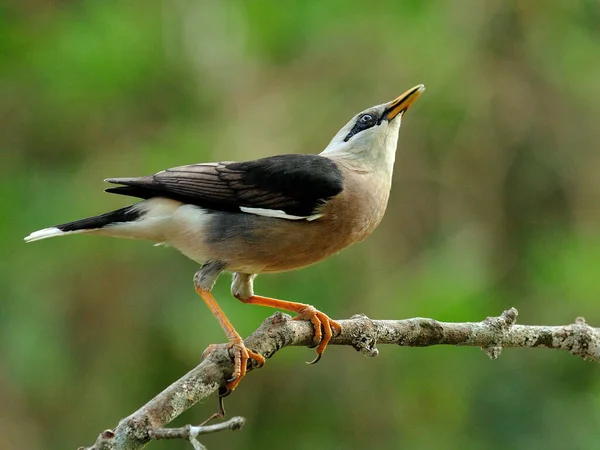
<point x="363" y="122"/>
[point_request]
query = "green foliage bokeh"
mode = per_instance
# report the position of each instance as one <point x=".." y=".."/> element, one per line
<point x="495" y="204"/>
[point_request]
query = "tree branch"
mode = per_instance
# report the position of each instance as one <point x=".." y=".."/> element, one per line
<point x="360" y="332"/>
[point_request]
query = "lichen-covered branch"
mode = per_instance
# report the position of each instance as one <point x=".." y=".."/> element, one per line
<point x="278" y="331"/>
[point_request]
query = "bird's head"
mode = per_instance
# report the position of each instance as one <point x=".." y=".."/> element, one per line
<point x="370" y="137"/>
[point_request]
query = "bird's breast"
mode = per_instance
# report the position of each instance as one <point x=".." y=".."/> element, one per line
<point x="356" y="213"/>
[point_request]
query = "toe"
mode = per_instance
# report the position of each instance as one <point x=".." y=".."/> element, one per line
<point x="335" y="327"/>
<point x="327" y="334"/>
<point x="310" y="313"/>
<point x="317" y="324"/>
<point x="241" y="355"/>
<point x="257" y="357"/>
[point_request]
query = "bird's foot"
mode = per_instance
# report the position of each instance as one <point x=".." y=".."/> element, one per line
<point x="241" y="355"/>
<point x="325" y="328"/>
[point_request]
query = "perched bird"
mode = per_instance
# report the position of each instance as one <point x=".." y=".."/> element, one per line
<point x="269" y="215"/>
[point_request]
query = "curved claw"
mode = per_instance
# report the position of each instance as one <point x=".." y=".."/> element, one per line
<point x="325" y="328"/>
<point x="316" y="360"/>
<point x="224" y="391"/>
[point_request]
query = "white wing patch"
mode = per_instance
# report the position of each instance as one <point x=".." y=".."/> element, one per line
<point x="277" y="213"/>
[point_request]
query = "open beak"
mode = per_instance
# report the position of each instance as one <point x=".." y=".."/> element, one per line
<point x="402" y="103"/>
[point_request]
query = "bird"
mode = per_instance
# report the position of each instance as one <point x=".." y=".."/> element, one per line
<point x="274" y="214"/>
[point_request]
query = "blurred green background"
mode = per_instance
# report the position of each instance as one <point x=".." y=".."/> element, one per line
<point x="495" y="204"/>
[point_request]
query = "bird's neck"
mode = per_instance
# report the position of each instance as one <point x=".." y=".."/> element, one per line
<point x="379" y="161"/>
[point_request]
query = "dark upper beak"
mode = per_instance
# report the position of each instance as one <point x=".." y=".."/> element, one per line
<point x="402" y="103"/>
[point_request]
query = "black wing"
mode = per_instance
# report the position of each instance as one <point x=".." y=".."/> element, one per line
<point x="295" y="184"/>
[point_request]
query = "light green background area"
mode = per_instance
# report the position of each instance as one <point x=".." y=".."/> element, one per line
<point x="495" y="203"/>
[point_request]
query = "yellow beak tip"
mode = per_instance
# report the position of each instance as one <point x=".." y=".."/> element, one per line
<point x="403" y="102"/>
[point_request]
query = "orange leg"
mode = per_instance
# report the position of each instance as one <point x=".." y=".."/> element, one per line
<point x="324" y="326"/>
<point x="241" y="354"/>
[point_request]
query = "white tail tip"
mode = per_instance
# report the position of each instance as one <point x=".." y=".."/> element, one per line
<point x="43" y="234"/>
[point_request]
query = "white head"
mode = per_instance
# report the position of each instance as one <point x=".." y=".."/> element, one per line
<point x="370" y="138"/>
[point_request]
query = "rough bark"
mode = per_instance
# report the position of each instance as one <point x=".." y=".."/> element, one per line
<point x="278" y="331"/>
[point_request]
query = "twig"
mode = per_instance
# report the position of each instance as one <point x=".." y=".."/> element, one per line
<point x="360" y="332"/>
<point x="192" y="432"/>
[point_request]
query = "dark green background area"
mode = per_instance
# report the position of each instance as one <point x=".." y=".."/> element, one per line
<point x="495" y="203"/>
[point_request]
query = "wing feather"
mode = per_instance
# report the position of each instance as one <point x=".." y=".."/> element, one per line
<point x="292" y="185"/>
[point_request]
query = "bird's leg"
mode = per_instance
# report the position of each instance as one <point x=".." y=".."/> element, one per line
<point x="204" y="280"/>
<point x="242" y="288"/>
<point x="325" y="328"/>
<point x="241" y="354"/>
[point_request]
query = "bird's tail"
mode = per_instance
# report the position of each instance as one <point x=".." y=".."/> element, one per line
<point x="96" y="223"/>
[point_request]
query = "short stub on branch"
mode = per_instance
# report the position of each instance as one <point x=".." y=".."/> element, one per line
<point x="501" y="324"/>
<point x="364" y="337"/>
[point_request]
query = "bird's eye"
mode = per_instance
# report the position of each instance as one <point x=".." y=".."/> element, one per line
<point x="364" y="122"/>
